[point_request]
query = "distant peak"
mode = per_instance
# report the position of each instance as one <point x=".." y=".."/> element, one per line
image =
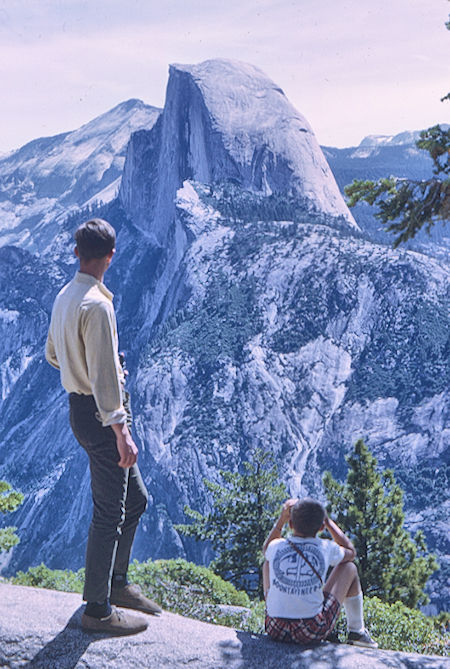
<point x="402" y="138"/>
<point x="375" y="140"/>
<point x="132" y="103"/>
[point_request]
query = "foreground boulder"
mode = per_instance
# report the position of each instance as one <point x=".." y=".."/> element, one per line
<point x="41" y="628"/>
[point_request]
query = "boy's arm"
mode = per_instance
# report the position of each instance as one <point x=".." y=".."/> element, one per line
<point x="341" y="539"/>
<point x="266" y="578"/>
<point x="50" y="352"/>
<point x="275" y="532"/>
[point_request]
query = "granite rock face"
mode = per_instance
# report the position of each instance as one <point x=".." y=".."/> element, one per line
<point x="224" y="121"/>
<point x="253" y="312"/>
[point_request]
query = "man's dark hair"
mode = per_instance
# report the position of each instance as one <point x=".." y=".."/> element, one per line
<point x="95" y="239"/>
<point x="307" y="516"/>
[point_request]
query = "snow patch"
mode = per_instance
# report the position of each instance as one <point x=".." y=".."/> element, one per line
<point x="9" y="315"/>
<point x="200" y="214"/>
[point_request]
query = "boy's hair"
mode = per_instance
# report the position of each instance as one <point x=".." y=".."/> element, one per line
<point x="307" y="516"/>
<point x="95" y="239"/>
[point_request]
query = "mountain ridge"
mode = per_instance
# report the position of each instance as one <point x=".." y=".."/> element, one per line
<point x="37" y="185"/>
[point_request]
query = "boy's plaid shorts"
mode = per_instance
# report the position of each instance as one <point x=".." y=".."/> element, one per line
<point x="306" y="630"/>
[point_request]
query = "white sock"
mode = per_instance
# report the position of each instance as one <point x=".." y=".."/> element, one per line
<point x="354" y="611"/>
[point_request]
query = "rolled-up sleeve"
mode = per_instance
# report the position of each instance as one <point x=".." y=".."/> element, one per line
<point x="99" y="333"/>
<point x="50" y="354"/>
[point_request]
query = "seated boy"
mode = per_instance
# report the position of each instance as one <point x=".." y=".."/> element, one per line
<point x="300" y="607"/>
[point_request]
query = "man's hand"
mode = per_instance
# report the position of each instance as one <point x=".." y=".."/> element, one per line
<point x="127" y="449"/>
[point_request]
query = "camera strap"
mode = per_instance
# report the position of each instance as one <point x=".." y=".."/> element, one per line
<point x="302" y="555"/>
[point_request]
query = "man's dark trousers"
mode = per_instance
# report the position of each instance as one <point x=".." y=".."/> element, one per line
<point x="119" y="497"/>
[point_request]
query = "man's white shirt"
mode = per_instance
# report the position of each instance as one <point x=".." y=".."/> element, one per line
<point x="82" y="343"/>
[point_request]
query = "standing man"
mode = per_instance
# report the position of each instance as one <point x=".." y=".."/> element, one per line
<point x="82" y="343"/>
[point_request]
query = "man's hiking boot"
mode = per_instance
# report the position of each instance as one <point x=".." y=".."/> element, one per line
<point x="131" y="597"/>
<point x="118" y="622"/>
<point x="364" y="640"/>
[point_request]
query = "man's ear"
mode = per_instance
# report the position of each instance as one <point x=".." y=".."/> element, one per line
<point x="76" y="251"/>
<point x="322" y="527"/>
<point x="290" y="524"/>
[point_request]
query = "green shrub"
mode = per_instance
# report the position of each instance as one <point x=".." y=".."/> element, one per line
<point x="191" y="590"/>
<point x="53" y="579"/>
<point x="255" y="621"/>
<point x="9" y="501"/>
<point x="397" y="627"/>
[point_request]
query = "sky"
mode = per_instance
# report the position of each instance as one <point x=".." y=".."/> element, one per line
<point x="352" y="67"/>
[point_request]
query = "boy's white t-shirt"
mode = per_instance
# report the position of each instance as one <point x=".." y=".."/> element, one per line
<point x="295" y="591"/>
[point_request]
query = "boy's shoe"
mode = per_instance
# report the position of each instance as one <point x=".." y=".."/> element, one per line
<point x="333" y="638"/>
<point x="364" y="639"/>
<point x="131" y="597"/>
<point x="118" y="622"/>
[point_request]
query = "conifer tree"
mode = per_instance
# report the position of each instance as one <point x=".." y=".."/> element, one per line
<point x="9" y="501"/>
<point x="242" y="515"/>
<point x="369" y="507"/>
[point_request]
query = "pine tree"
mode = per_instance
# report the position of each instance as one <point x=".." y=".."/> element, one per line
<point x="369" y="508"/>
<point x="9" y="501"/>
<point x="404" y="205"/>
<point x="242" y="515"/>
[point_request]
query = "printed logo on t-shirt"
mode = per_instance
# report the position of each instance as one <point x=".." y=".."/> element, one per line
<point x="293" y="575"/>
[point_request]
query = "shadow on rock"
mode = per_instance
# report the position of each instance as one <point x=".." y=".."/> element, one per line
<point x="66" y="649"/>
<point x="257" y="651"/>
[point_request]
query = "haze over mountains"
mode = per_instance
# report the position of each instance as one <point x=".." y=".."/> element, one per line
<point x="253" y="310"/>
